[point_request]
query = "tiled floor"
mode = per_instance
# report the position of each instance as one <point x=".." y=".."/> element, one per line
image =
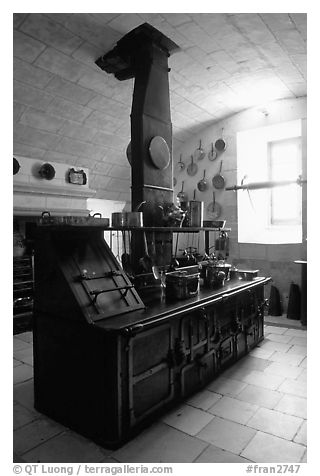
<point x="255" y="411"/>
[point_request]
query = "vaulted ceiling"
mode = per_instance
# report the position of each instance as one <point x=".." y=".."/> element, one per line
<point x="68" y="110"/>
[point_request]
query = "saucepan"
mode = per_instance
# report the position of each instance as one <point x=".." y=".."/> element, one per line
<point x="218" y="180"/>
<point x="203" y="184"/>
<point x="182" y="195"/>
<point x="199" y="153"/>
<point x="214" y="208"/>
<point x="121" y="219"/>
<point x="192" y="168"/>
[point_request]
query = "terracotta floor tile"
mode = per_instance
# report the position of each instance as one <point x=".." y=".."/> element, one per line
<point x="22" y="416"/>
<point x="298" y="340"/>
<point x="293" y="387"/>
<point x="212" y="454"/>
<point x="260" y="396"/>
<point x="304" y="363"/>
<point x="265" y="448"/>
<point x="67" y="447"/>
<point x="160" y="444"/>
<point x="271" y="345"/>
<point x="204" y="399"/>
<point x="292" y="405"/>
<point x="19" y="344"/>
<point x="274" y="330"/>
<point x="22" y="373"/>
<point x="23" y="393"/>
<point x="296" y="332"/>
<point x="301" y="436"/>
<point x="33" y="434"/>
<point x="25" y="336"/>
<point x="284" y="370"/>
<point x="285" y="358"/>
<point x="261" y="353"/>
<point x="227" y="435"/>
<point x="261" y="379"/>
<point x="279" y="338"/>
<point x="226" y="386"/>
<point x="275" y="423"/>
<point x="25" y="355"/>
<point x="298" y="349"/>
<point x="303" y="377"/>
<point x="188" y="419"/>
<point x="16" y="363"/>
<point x="232" y="409"/>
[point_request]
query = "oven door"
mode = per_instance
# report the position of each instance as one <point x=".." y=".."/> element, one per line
<point x="150" y="371"/>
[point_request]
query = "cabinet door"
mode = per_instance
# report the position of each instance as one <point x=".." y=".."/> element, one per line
<point x="150" y="371"/>
<point x="226" y="352"/>
<point x="198" y="373"/>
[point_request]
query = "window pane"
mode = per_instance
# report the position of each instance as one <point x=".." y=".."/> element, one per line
<point x="285" y="164"/>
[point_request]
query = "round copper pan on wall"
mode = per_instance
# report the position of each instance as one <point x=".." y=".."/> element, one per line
<point x="16" y="166"/>
<point x="47" y="171"/>
<point x="159" y="152"/>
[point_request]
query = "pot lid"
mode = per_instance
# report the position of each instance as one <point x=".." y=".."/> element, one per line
<point x="159" y="152"/>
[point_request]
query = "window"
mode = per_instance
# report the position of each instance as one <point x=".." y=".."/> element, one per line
<point x="271" y="153"/>
<point x="284" y="158"/>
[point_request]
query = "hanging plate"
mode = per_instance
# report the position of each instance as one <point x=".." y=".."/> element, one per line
<point x="159" y="152"/>
<point x="16" y="166"/>
<point x="129" y="153"/>
<point x="47" y="171"/>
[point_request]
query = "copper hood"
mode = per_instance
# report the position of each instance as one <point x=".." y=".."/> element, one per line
<point x="143" y="54"/>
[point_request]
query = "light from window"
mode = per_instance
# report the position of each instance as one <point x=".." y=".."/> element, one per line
<point x="285" y="164"/>
<point x="270" y="153"/>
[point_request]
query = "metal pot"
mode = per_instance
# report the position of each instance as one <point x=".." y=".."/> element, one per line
<point x="181" y="195"/>
<point x="195" y="212"/>
<point x="212" y="155"/>
<point x="218" y="180"/>
<point x="199" y="153"/>
<point x="192" y="168"/>
<point x="122" y="219"/>
<point x="203" y="184"/>
<point x="214" y="208"/>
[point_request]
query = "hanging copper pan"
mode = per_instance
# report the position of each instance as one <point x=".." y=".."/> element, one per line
<point x="181" y="165"/>
<point x="218" y="180"/>
<point x="214" y="208"/>
<point x="192" y="168"/>
<point x="203" y="184"/>
<point x="212" y="155"/>
<point x="199" y="153"/>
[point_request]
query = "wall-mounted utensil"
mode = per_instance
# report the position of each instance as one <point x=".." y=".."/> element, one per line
<point x="218" y="180"/>
<point x="129" y="153"/>
<point x="199" y="153"/>
<point x="181" y="165"/>
<point x="47" y="171"/>
<point x="174" y="181"/>
<point x="192" y="168"/>
<point x="16" y="166"/>
<point x="159" y="152"/>
<point x="212" y="154"/>
<point x="195" y="212"/>
<point x="203" y="184"/>
<point x="214" y="208"/>
<point x="220" y="144"/>
<point x="181" y="195"/>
